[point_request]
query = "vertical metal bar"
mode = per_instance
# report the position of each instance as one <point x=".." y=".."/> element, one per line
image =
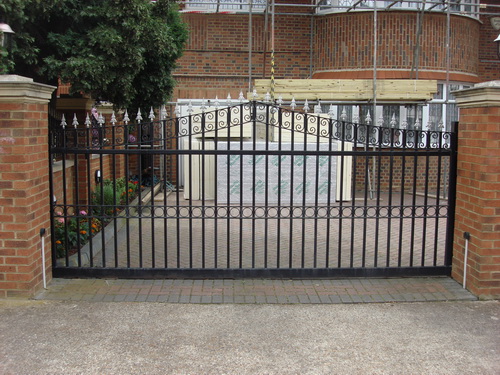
<point x="216" y="198"/>
<point x="254" y="137"/>
<point x="426" y="199"/>
<point x="292" y="174"/>
<point x="438" y="199"/>
<point x="357" y="129"/>
<point x="414" y="197"/>
<point x="127" y="177"/>
<point x="266" y="198"/>
<point x="228" y="235"/>
<point x="141" y="184"/>
<point x="375" y="67"/>
<point x="203" y="190"/>
<point x="190" y="148"/>
<point x="241" y="208"/>
<point x="367" y="187"/>
<point x="103" y="212"/>
<point x="316" y="193"/>
<point x="389" y="201"/>
<point x="450" y="226"/>
<point x="115" y="223"/>
<point x="341" y="202"/>
<point x="280" y="147"/>
<point x="151" y="175"/>
<point x="402" y="198"/>
<point x="77" y="202"/>
<point x="166" y="182"/>
<point x="93" y="209"/>
<point x="304" y="189"/>
<point x="65" y="200"/>
<point x="328" y="198"/>
<point x="179" y="139"/>
<point x="379" y="174"/>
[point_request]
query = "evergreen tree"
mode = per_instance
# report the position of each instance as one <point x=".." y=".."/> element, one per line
<point x="122" y="51"/>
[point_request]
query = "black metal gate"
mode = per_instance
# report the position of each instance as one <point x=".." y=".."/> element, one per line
<point x="249" y="190"/>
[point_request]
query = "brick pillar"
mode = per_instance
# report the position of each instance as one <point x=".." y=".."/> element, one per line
<point x="478" y="190"/>
<point x="24" y="185"/>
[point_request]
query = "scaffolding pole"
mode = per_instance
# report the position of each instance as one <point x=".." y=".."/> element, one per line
<point x="375" y="54"/>
<point x="272" y="50"/>
<point x="250" y="47"/>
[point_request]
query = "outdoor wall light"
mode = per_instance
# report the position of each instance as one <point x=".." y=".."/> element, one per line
<point x="497" y="41"/>
<point x="97" y="176"/>
<point x="6" y="36"/>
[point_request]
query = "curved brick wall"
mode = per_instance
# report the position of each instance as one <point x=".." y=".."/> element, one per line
<point x="215" y="61"/>
<point x="345" y="42"/>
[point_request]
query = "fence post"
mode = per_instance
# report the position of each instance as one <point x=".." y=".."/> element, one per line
<point x="24" y="185"/>
<point x="452" y="193"/>
<point x="478" y="186"/>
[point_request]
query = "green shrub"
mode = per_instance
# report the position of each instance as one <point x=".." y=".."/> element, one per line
<point x="104" y="200"/>
<point x="112" y="196"/>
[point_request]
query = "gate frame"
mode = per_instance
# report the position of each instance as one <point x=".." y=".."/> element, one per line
<point x="260" y="272"/>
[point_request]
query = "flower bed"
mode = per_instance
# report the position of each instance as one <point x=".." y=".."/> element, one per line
<point x="73" y="232"/>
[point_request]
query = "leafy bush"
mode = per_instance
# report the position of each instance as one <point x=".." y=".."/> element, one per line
<point x="112" y="195"/>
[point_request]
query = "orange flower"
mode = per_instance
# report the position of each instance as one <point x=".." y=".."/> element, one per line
<point x="83" y="232"/>
<point x="58" y="242"/>
<point x="130" y="190"/>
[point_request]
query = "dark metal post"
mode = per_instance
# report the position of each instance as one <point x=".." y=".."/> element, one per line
<point x="450" y="227"/>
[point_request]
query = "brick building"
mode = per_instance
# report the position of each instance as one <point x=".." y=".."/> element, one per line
<point x="230" y="46"/>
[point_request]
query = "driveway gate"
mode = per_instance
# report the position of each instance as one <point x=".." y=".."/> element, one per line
<point x="249" y="190"/>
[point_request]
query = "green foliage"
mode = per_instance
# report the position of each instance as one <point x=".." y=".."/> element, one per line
<point x="112" y="195"/>
<point x="105" y="199"/>
<point x="122" y="51"/>
<point x="6" y="64"/>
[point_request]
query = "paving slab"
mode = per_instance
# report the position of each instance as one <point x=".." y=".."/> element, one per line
<point x="260" y="291"/>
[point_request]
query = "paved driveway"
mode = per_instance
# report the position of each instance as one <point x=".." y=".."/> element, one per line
<point x="54" y="337"/>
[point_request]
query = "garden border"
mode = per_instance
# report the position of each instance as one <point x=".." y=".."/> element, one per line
<point x="109" y="234"/>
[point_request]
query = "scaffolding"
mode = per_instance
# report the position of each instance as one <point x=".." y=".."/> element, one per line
<point x="473" y="8"/>
<point x="271" y="8"/>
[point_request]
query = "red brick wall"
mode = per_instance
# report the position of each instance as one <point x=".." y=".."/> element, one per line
<point x="216" y="60"/>
<point x="424" y="176"/>
<point x="478" y="199"/>
<point x="24" y="191"/>
<point x="345" y="41"/>
<point x="489" y="60"/>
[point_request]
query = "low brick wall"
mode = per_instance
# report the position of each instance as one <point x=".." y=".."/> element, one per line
<point x="415" y="173"/>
